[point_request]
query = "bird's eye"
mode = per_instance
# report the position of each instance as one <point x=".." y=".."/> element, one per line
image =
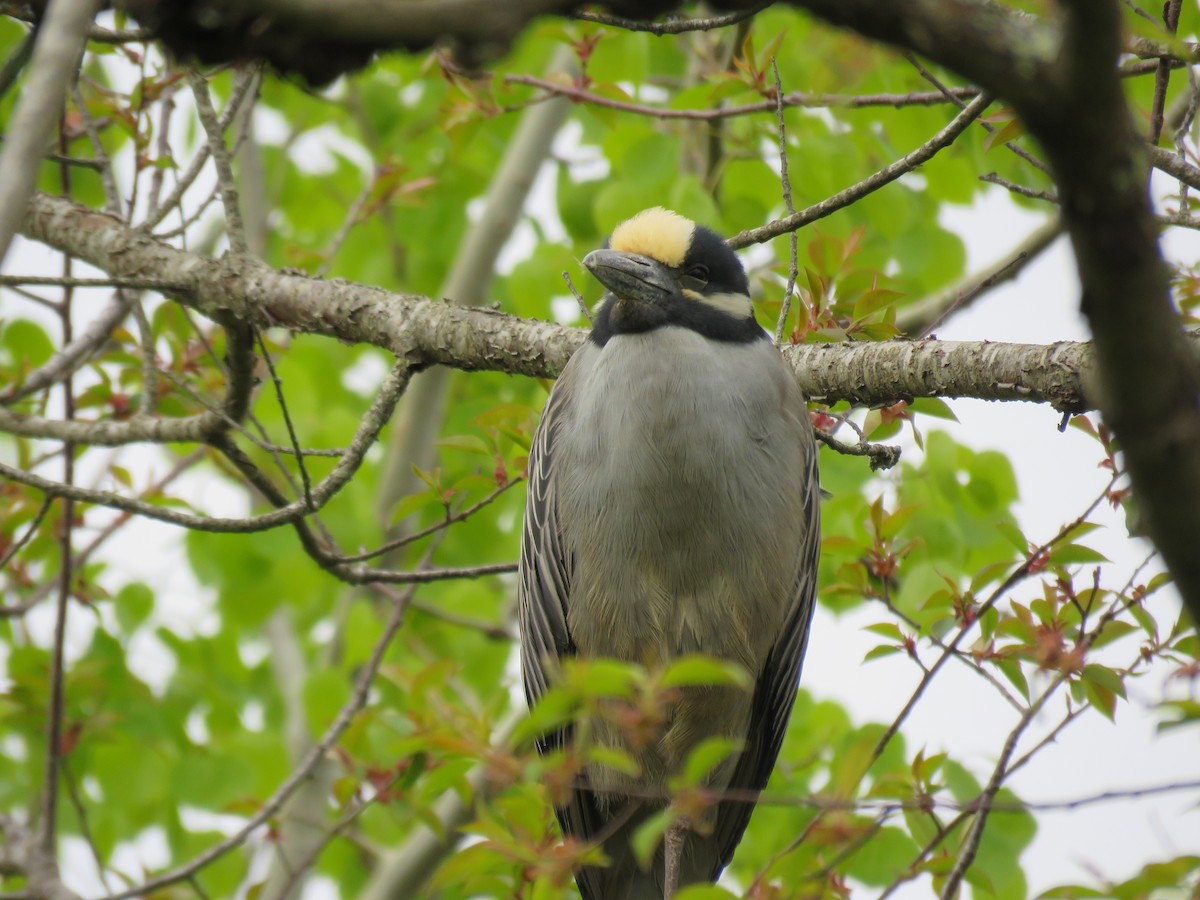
<point x="695" y="278"/>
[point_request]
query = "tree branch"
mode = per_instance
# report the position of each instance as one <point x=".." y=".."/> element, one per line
<point x="480" y="339"/>
<point x="60" y="40"/>
<point x="368" y="430"/>
<point x="673" y="24"/>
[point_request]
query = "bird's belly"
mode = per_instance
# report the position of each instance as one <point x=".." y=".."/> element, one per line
<point x="678" y="578"/>
<point x="684" y="531"/>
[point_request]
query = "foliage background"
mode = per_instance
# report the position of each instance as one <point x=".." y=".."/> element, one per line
<point x="186" y="707"/>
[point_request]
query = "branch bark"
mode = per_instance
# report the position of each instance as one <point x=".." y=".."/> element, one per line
<point x="55" y="58"/>
<point x="1062" y="374"/>
<point x="429" y="332"/>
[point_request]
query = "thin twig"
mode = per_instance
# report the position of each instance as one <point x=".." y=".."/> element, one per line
<point x="353" y="215"/>
<point x="101" y="536"/>
<point x="672" y="25"/>
<point x="186" y="222"/>
<point x="19" y="544"/>
<point x="141" y="284"/>
<point x="880" y="456"/>
<point x="985" y="802"/>
<point x="825" y="803"/>
<point x="954" y="97"/>
<point x="85" y="828"/>
<point x="786" y="185"/>
<point x="493" y="630"/>
<point x="297" y="454"/>
<point x="1017" y="575"/>
<point x="583" y="307"/>
<point x="1163" y="75"/>
<point x="55" y="59"/>
<point x="1184" y="127"/>
<point x="450" y="519"/>
<point x="162" y="147"/>
<point x="713" y="114"/>
<point x="243" y="88"/>
<point x="16" y="62"/>
<point x="370" y="425"/>
<point x="149" y="398"/>
<point x="108" y="181"/>
<point x="264" y="445"/>
<point x="74" y="354"/>
<point x="886" y="175"/>
<point x="925" y="315"/>
<point x="235" y="230"/>
<point x="1032" y="193"/>
<point x="47" y="833"/>
<point x="962" y="656"/>
<point x="44" y="302"/>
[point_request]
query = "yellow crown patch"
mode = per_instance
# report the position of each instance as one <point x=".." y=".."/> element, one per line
<point x="657" y="233"/>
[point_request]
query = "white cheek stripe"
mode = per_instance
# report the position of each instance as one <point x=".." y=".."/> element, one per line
<point x="736" y="305"/>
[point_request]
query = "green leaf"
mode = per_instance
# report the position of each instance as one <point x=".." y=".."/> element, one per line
<point x="703" y="671"/>
<point x="132" y="604"/>
<point x="467" y="443"/>
<point x="1013" y="535"/>
<point x="25" y="344"/>
<point x="414" y="503"/>
<point x="1070" y="554"/>
<point x="555" y="709"/>
<point x="1071" y="892"/>
<point x="1114" y="629"/>
<point x="649" y="835"/>
<point x="707" y="755"/>
<point x="1105" y="677"/>
<point x="873" y="301"/>
<point x="883" y="858"/>
<point x="933" y="406"/>
<point x="1011" y="670"/>
<point x="705" y="892"/>
<point x="886" y="629"/>
<point x="325" y="692"/>
<point x="601" y="678"/>
<point x="851" y="762"/>
<point x="896" y="520"/>
<point x="613" y="759"/>
<point x="1009" y="130"/>
<point x="881" y="651"/>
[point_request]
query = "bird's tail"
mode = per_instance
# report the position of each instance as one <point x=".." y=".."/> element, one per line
<point x="624" y="878"/>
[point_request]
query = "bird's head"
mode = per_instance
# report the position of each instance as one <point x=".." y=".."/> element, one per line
<point x="663" y="269"/>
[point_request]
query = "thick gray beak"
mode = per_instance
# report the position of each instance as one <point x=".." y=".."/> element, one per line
<point x="632" y="277"/>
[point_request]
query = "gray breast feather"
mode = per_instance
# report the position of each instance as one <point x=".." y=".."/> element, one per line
<point x="664" y="552"/>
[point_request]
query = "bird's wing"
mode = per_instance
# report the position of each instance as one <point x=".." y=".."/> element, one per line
<point x="544" y="571"/>
<point x="543" y="591"/>
<point x="775" y="691"/>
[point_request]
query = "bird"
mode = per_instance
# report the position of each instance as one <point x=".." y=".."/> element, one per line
<point x="672" y="509"/>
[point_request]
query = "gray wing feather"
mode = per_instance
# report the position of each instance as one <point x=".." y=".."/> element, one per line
<point x="543" y="592"/>
<point x="545" y="566"/>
